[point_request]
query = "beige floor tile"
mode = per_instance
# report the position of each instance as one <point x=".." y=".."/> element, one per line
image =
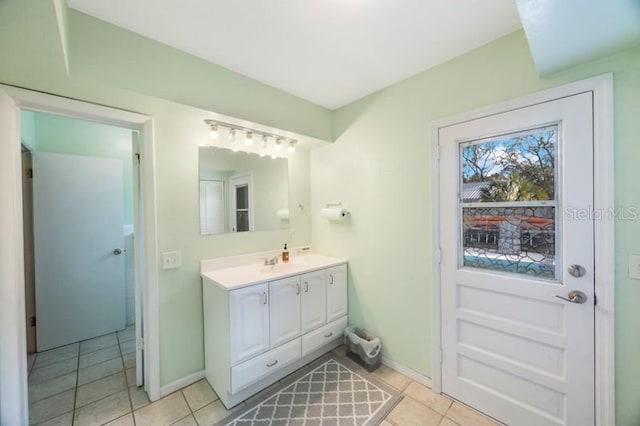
<point x="56" y="355"/>
<point x="466" y="416"/>
<point x="410" y="412"/>
<point x="127" y="334"/>
<point x="129" y="360"/>
<point x="392" y="377"/>
<point x="126" y="420"/>
<point x="99" y="356"/>
<point x="139" y="397"/>
<point x="385" y="423"/>
<point x="49" y="408"/>
<point x="426" y="396"/>
<point x="64" y="420"/>
<point x="98" y="371"/>
<point x="340" y="351"/>
<point x="199" y="394"/>
<point x="164" y="411"/>
<point x="187" y="421"/>
<point x="212" y="413"/>
<point x="51" y="387"/>
<point x="447" y="422"/>
<point x="99" y="389"/>
<point x="131" y="376"/>
<point x="128" y="347"/>
<point x="100" y="342"/>
<point x="39" y="375"/>
<point x="103" y="410"/>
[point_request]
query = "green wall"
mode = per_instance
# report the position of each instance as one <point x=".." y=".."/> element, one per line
<point x="61" y="135"/>
<point x="382" y="150"/>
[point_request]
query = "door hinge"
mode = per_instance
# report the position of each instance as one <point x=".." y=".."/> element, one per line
<point x="137" y="154"/>
<point x="438" y="152"/>
<point x="140" y="344"/>
<point x="32" y="321"/>
<point x="438" y="256"/>
<point x="29" y="173"/>
<point x="595" y="300"/>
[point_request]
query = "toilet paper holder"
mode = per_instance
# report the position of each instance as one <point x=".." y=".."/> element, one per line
<point x="334" y="211"/>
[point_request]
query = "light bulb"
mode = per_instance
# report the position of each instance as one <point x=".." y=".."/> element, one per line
<point x="291" y="148"/>
<point x="249" y="139"/>
<point x="278" y="145"/>
<point x="213" y="131"/>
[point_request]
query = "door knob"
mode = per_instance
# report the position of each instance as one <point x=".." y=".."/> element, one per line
<point x="574" y="296"/>
<point x="117" y="251"/>
<point x="577" y="271"/>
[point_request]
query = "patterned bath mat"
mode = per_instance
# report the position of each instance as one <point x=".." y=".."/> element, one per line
<point x="326" y="392"/>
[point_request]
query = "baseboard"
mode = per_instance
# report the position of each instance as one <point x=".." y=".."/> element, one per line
<point x="181" y="383"/>
<point x="412" y="374"/>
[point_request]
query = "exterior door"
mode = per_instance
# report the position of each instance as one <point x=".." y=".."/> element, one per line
<point x="517" y="263"/>
<point x="78" y="236"/>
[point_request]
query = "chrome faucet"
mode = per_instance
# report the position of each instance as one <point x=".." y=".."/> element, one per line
<point x="272" y="261"/>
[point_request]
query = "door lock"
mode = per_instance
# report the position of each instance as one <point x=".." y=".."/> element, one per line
<point x="577" y="271"/>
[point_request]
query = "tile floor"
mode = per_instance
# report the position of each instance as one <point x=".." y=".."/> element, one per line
<point x="93" y="383"/>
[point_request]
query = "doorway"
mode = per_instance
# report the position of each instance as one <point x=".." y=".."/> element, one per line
<point x="81" y="183"/>
<point x="14" y="405"/>
<point x="519" y="271"/>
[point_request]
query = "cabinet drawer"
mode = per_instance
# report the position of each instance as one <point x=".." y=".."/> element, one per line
<point x="317" y="338"/>
<point x="261" y="366"/>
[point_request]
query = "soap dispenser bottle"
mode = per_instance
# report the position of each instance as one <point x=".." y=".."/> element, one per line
<point x="285" y="254"/>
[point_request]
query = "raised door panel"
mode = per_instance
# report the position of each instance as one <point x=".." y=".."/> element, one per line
<point x="336" y="292"/>
<point x="284" y="310"/>
<point x="314" y="301"/>
<point x="249" y="312"/>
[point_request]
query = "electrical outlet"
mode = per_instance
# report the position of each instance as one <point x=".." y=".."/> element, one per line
<point x="171" y="259"/>
<point x="634" y="266"/>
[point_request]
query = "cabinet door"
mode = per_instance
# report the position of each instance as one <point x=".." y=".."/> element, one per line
<point x="284" y="310"/>
<point x="314" y="300"/>
<point x="249" y="312"/>
<point x="336" y="292"/>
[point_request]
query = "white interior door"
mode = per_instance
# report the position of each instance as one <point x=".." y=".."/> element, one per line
<point x="79" y="264"/>
<point x="516" y="197"/>
<point x="241" y="203"/>
<point x="211" y="207"/>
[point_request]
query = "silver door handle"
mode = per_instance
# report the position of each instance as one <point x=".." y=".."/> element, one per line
<point x="273" y="363"/>
<point x="574" y="296"/>
<point x="117" y="251"/>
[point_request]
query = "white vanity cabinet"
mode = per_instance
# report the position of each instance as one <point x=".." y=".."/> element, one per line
<point x="284" y="310"/>
<point x="336" y="292"/>
<point x="258" y="332"/>
<point x="314" y="302"/>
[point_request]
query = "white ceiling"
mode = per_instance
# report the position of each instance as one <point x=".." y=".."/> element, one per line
<point x="330" y="52"/>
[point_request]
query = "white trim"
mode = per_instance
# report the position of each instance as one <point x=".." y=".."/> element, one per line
<point x="604" y="232"/>
<point x="410" y="373"/>
<point x="13" y="339"/>
<point x="182" y="382"/>
<point x="36" y="101"/>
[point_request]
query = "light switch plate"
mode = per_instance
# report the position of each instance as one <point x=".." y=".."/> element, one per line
<point x="171" y="259"/>
<point x="634" y="266"/>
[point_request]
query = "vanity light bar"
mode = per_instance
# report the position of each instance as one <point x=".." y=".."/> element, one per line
<point x="280" y="140"/>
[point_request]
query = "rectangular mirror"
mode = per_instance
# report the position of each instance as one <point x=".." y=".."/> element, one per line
<point x="242" y="192"/>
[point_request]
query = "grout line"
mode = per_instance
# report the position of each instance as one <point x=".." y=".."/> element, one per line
<point x="75" y="390"/>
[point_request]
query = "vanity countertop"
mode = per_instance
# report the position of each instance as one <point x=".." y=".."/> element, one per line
<point x="245" y="275"/>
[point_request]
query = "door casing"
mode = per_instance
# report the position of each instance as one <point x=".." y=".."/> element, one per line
<point x="601" y="88"/>
<point x="41" y="102"/>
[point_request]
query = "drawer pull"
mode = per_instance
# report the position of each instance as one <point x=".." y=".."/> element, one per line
<point x="297" y="288"/>
<point x="328" y="335"/>
<point x="306" y="287"/>
<point x="330" y="278"/>
<point x="272" y="363"/>
<point x="265" y="297"/>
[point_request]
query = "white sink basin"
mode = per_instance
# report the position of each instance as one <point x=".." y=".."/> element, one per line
<point x="281" y="268"/>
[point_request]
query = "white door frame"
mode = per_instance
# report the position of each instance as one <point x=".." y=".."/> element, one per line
<point x="604" y="229"/>
<point x="11" y="349"/>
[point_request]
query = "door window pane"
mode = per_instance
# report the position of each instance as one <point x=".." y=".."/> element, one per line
<point x="508" y="202"/>
<point x="242" y="197"/>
